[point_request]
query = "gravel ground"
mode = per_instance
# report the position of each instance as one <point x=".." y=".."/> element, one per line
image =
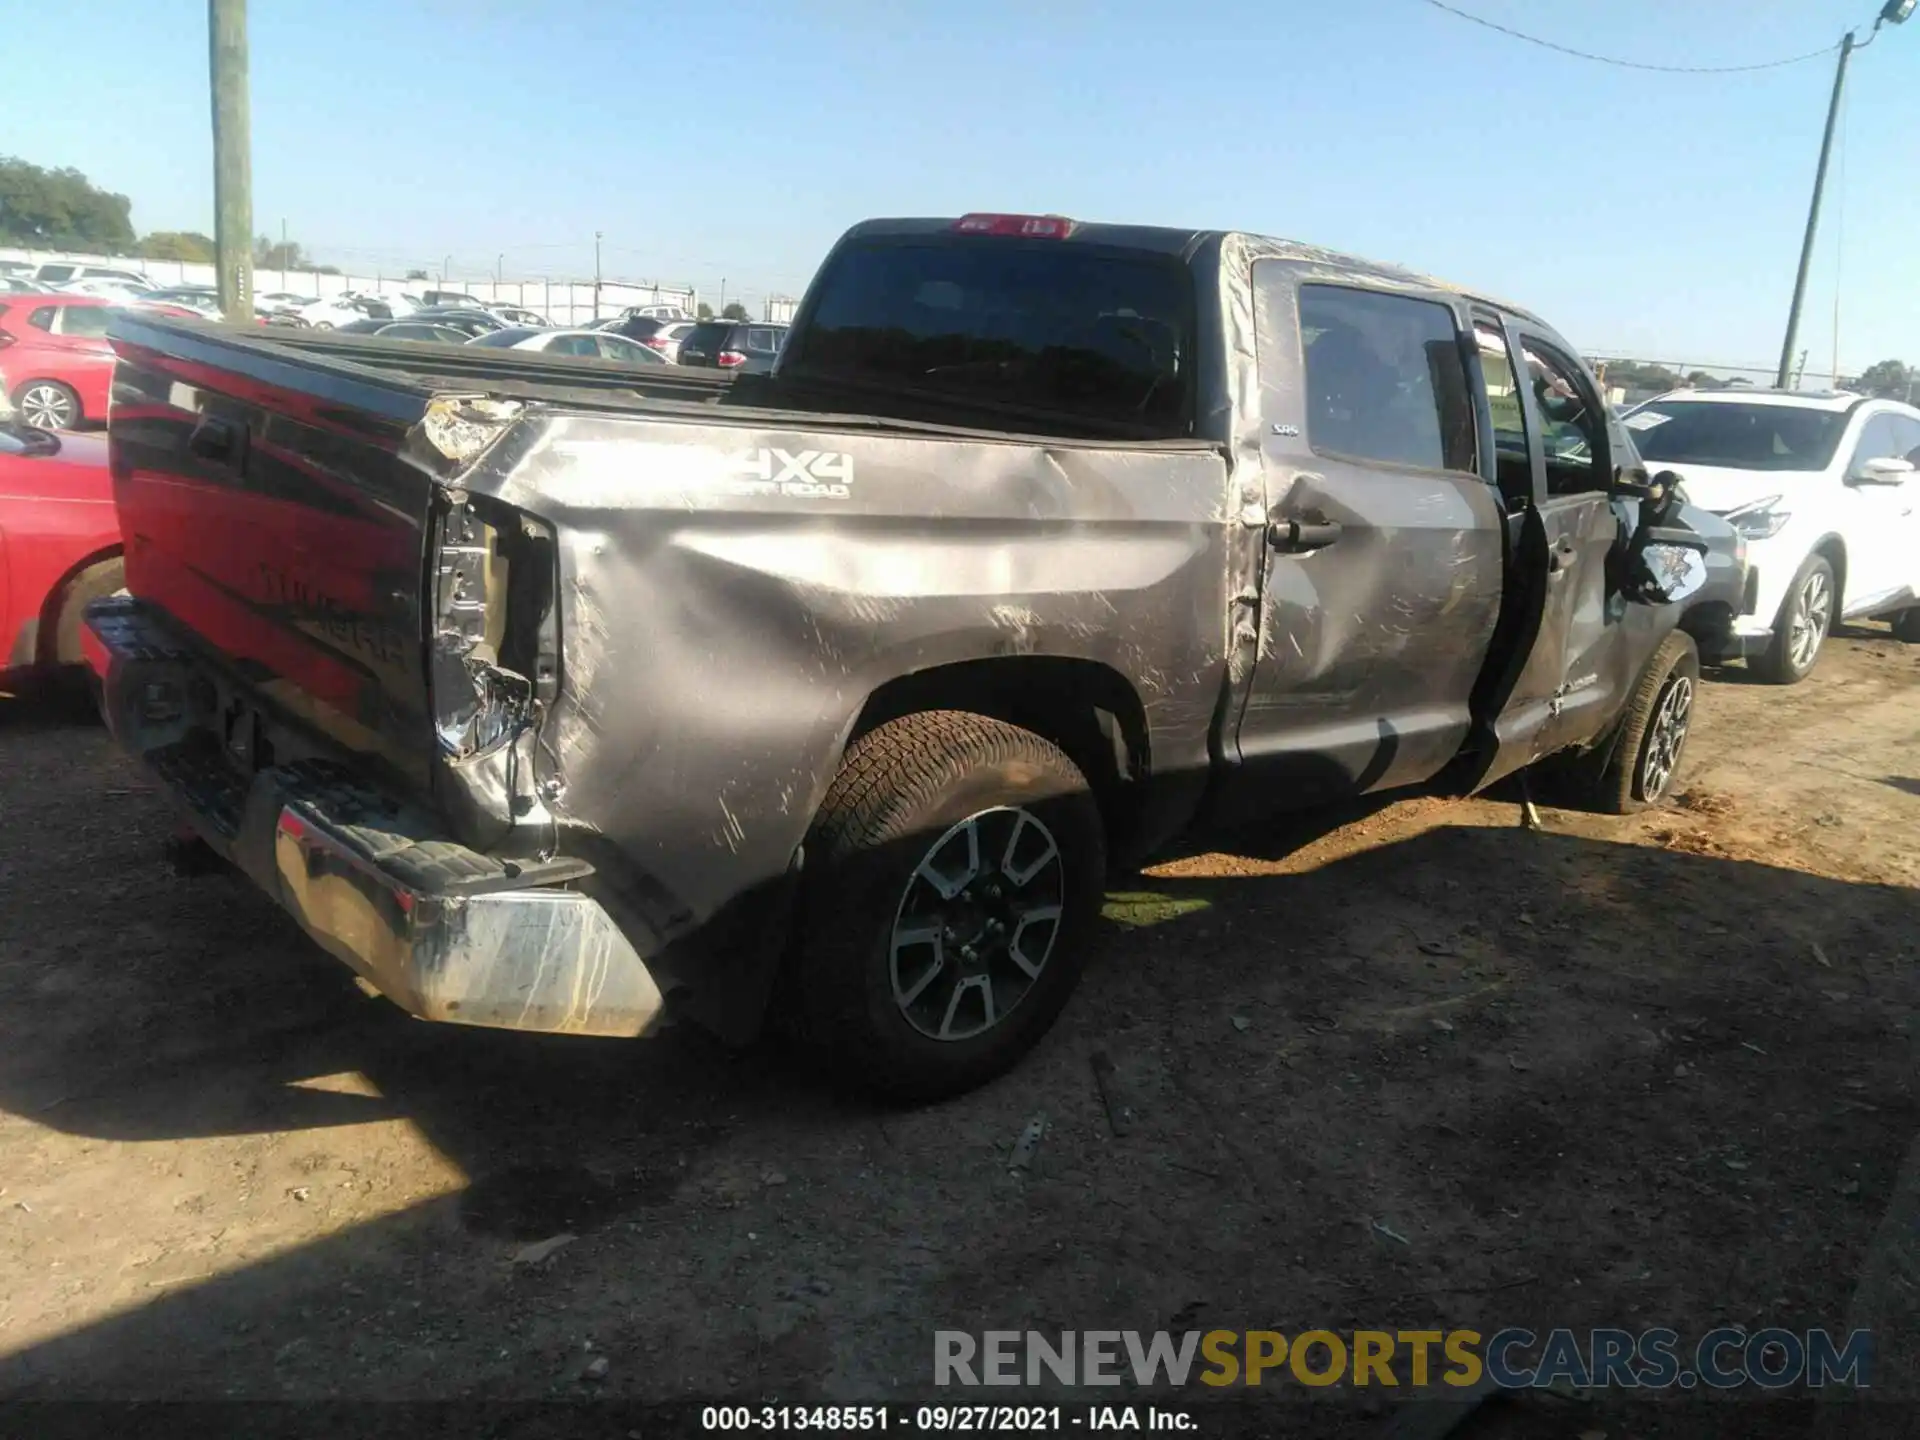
<point x="1413" y="1065"/>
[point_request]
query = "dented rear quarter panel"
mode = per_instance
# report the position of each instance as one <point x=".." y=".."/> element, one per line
<point x="722" y="630"/>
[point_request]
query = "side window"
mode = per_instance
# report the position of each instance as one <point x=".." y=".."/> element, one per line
<point x="1511" y="466"/>
<point x="1879" y="440"/>
<point x="84" y="319"/>
<point x="1908" y="431"/>
<point x="1385" y="380"/>
<point x="42" y="319"/>
<point x="1573" y="426"/>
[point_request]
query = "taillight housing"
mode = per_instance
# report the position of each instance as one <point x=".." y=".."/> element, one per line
<point x="495" y="642"/>
<point x="731" y="358"/>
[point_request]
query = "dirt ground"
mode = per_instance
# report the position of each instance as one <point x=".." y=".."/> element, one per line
<point x="1425" y="1067"/>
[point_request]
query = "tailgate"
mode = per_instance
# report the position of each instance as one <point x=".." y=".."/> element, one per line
<point x="277" y="511"/>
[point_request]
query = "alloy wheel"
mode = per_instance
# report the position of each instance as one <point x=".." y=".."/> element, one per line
<point x="976" y="923"/>
<point x="1666" y="737"/>
<point x="47" y="407"/>
<point x="1812" y="613"/>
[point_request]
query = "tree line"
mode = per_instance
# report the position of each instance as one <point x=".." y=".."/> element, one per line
<point x="1885" y="379"/>
<point x="45" y="209"/>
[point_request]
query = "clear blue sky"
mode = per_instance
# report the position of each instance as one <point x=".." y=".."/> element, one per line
<point x="1658" y="215"/>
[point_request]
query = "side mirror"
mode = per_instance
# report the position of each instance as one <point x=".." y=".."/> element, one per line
<point x="1665" y="572"/>
<point x="1665" y="563"/>
<point x="1883" y="470"/>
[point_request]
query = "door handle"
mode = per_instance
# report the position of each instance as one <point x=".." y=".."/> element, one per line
<point x="217" y="441"/>
<point x="1298" y="536"/>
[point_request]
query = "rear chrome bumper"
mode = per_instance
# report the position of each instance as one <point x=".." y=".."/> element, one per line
<point x="526" y="958"/>
<point x="445" y="932"/>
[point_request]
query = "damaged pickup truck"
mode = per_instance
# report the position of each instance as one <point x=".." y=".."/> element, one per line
<point x="552" y="696"/>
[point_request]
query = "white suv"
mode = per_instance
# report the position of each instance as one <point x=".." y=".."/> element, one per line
<point x="1823" y="487"/>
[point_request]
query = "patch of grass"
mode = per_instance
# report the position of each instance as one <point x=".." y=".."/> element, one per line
<point x="1138" y="909"/>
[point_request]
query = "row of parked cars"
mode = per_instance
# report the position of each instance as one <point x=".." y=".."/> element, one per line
<point x="640" y="336"/>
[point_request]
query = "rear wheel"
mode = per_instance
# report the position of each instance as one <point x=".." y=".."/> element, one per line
<point x="47" y="405"/>
<point x="952" y="878"/>
<point x="1801" y="627"/>
<point x="1906" y="625"/>
<point x="1641" y="766"/>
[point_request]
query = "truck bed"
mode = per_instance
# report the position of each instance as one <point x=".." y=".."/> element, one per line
<point x="398" y="378"/>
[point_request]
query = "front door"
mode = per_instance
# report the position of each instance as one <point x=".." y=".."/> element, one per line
<point x="1879" y="523"/>
<point x="1384" y="541"/>
<point x="1561" y="663"/>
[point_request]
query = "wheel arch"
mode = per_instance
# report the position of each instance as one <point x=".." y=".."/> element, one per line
<point x="1831" y="548"/>
<point x="1085" y="707"/>
<point x="48" y="637"/>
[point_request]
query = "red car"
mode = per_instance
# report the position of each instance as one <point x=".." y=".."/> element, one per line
<point x="59" y="544"/>
<point x="54" y="357"/>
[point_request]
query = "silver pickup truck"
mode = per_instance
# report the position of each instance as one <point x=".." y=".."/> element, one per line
<point x="551" y="695"/>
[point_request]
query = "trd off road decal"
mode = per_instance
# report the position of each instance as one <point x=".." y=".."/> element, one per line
<point x="800" y="474"/>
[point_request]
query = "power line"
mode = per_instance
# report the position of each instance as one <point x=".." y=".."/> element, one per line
<point x="1631" y="64"/>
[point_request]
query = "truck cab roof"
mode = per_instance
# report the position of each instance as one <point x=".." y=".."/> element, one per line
<point x="1184" y="243"/>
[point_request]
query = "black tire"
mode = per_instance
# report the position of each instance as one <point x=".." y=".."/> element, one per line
<point x="1779" y="663"/>
<point x="1906" y="625"/>
<point x="96" y="582"/>
<point x="1628" y="782"/>
<point x="904" y="797"/>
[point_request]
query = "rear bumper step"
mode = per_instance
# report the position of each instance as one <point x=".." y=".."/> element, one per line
<point x="445" y="932"/>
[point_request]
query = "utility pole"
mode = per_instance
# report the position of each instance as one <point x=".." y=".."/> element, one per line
<point x="283" y="253"/>
<point x="596" y="275"/>
<point x="1813" y="215"/>
<point x="1893" y="12"/>
<point x="232" y="162"/>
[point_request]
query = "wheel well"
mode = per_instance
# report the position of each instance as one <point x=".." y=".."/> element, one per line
<point x="1834" y="551"/>
<point x="1086" y="708"/>
<point x="49" y="635"/>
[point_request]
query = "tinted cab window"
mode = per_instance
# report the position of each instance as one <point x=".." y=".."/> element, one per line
<point x="1066" y="333"/>
<point x="1385" y="379"/>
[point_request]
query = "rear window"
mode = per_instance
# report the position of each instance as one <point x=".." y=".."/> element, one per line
<point x="1059" y="330"/>
<point x="707" y="337"/>
<point x="1735" y="435"/>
